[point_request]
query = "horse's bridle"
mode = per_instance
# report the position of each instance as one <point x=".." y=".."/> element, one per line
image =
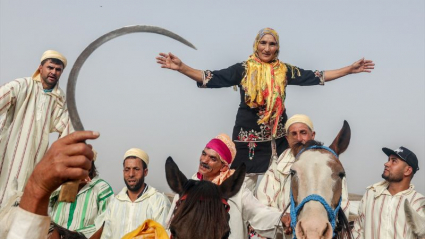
<point x="295" y="210"/>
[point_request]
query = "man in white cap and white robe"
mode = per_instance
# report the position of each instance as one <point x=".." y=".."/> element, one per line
<point x="275" y="186"/>
<point x="136" y="202"/>
<point x="30" y="109"/>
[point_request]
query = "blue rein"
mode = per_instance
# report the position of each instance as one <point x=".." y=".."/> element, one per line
<point x="332" y="214"/>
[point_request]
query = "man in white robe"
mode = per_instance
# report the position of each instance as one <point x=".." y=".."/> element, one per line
<point x="136" y="202"/>
<point x="30" y="109"/>
<point x="274" y="188"/>
<point x="244" y="207"/>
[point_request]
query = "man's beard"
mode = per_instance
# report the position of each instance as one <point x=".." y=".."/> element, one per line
<point x="391" y="178"/>
<point x="136" y="187"/>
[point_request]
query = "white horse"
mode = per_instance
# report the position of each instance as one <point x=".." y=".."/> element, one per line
<point x="316" y="187"/>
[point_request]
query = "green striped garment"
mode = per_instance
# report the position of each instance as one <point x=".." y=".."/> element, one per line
<point x="92" y="200"/>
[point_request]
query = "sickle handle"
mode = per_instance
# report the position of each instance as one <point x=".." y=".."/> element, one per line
<point x="69" y="191"/>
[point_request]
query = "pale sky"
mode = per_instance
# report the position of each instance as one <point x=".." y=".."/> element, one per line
<point x="124" y="94"/>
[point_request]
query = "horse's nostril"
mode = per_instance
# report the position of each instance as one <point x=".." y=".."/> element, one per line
<point x="327" y="232"/>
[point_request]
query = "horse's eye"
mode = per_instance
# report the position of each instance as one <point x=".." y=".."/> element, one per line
<point x="292" y="172"/>
<point x="341" y="175"/>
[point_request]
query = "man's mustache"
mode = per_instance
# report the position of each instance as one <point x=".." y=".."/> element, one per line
<point x="204" y="165"/>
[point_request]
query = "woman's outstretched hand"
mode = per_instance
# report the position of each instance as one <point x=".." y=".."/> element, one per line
<point x="169" y="61"/>
<point x="172" y="62"/>
<point x="362" y="65"/>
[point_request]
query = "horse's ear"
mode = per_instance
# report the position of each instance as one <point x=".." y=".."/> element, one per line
<point x="342" y="140"/>
<point x="233" y="184"/>
<point x="175" y="178"/>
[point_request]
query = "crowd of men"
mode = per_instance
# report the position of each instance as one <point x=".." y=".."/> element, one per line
<point x="31" y="175"/>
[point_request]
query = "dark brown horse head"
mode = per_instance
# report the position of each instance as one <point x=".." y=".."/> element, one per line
<point x="318" y="171"/>
<point x="203" y="212"/>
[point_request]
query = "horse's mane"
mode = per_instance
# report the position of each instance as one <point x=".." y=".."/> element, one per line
<point x="64" y="233"/>
<point x="299" y="146"/>
<point x="313" y="143"/>
<point x="342" y="228"/>
<point x="205" y="197"/>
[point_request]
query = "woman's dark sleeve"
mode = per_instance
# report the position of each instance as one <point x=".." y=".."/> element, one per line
<point x="223" y="78"/>
<point x="298" y="76"/>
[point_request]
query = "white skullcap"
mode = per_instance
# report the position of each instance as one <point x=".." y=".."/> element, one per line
<point x="135" y="152"/>
<point x="299" y="119"/>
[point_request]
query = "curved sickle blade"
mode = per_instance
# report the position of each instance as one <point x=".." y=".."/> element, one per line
<point x="72" y="80"/>
<point x="69" y="190"/>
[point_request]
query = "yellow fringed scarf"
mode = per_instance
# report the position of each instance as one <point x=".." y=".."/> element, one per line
<point x="264" y="85"/>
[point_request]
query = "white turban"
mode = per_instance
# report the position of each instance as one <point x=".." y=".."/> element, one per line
<point x="50" y="54"/>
